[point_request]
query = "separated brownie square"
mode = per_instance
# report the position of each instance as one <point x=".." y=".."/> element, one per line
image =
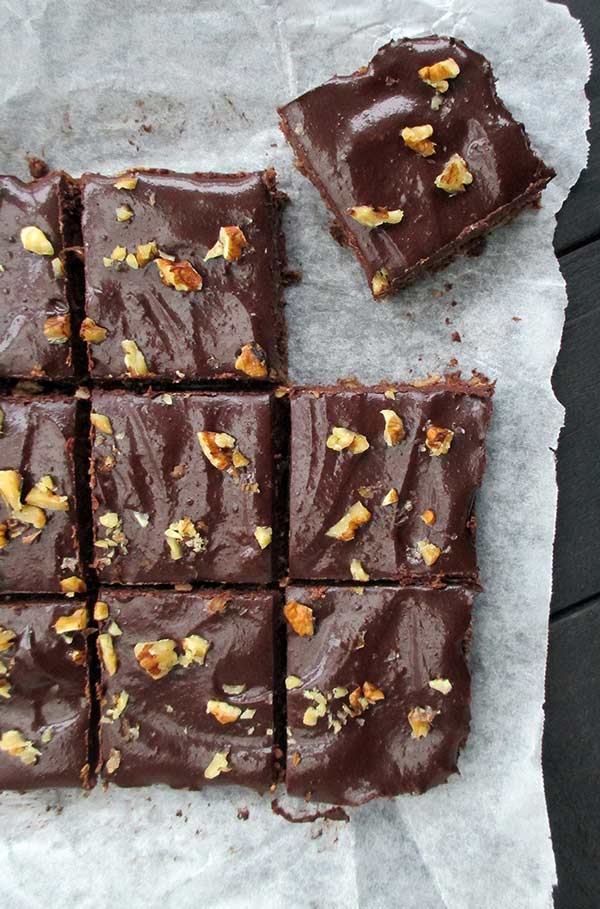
<point x="383" y="481"/>
<point x="183" y="487"/>
<point x="184" y="276"/>
<point x="187" y="687"/>
<point x="38" y="508"/>
<point x="415" y="155"/>
<point x="37" y="221"/>
<point x="44" y="705"/>
<point x="378" y="689"/>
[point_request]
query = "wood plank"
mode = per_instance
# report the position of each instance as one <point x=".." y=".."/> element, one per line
<point x="577" y="385"/>
<point x="579" y="219"/>
<point x="571" y="755"/>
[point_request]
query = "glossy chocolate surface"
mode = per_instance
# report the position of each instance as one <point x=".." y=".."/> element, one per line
<point x="398" y="640"/>
<point x="325" y="483"/>
<point x="153" y="465"/>
<point x="346" y="137"/>
<point x="30" y="292"/>
<point x="185" y="335"/>
<point x="47" y="681"/>
<point x="37" y="440"/>
<point x="177" y="739"/>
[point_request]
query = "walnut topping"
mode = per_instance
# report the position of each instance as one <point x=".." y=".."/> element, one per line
<point x="264" y="536"/>
<point x="13" y="743"/>
<point x="429" y="552"/>
<point x="43" y="496"/>
<point x="420" y="719"/>
<point x="428" y="517"/>
<point x="184" y="532"/>
<point x="131" y="260"/>
<point x="342" y="438"/>
<point x="455" y="176"/>
<point x="120" y="702"/>
<point x="7" y="639"/>
<point x="118" y="254"/>
<point x="372" y="216"/>
<point x="357" y="571"/>
<point x="300" y="618"/>
<point x="234" y="689"/>
<point x="142" y="518"/>
<point x="3" y="535"/>
<point x="114" y="760"/>
<point x="252" y="360"/>
<point x="292" y="681"/>
<point x="91" y="332"/>
<point x="345" y="529"/>
<point x="418" y="138"/>
<point x="156" y="657"/>
<point x="437" y="74"/>
<point x="230" y="244"/>
<point x="35" y="240"/>
<point x="216" y="447"/>
<point x="444" y="686"/>
<point x="58" y="269"/>
<point x="223" y="712"/>
<point x="107" y="653"/>
<point x="134" y="359"/>
<point x="72" y="585"/>
<point x="180" y="275"/>
<point x="10" y="489"/>
<point x="102" y="423"/>
<point x="100" y="611"/>
<point x="438" y="440"/>
<point x="195" y="649"/>
<point x="218" y="765"/>
<point x="390" y="498"/>
<point x="124" y="213"/>
<point x="77" y="621"/>
<point x="394" y="427"/>
<point x="57" y="328"/>
<point x="126" y="183"/>
<point x="372" y="693"/>
<point x="380" y="282"/>
<point x="145" y="253"/>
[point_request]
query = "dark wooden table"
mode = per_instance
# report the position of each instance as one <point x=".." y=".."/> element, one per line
<point x="571" y="750"/>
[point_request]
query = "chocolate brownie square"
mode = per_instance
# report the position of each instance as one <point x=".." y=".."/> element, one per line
<point x="183" y="487"/>
<point x="44" y="704"/>
<point x="187" y="687"/>
<point x="184" y="276"/>
<point x="415" y="155"/>
<point x="383" y="481"/>
<point x="378" y="689"/>
<point x="38" y="505"/>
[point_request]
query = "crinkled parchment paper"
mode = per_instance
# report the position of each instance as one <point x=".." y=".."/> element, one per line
<point x="194" y="85"/>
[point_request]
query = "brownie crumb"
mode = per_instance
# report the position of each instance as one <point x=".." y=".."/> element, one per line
<point x="37" y="167"/>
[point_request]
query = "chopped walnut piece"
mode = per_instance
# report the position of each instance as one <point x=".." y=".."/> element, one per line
<point x="180" y="275"/>
<point x="218" y="448"/>
<point x="73" y="585"/>
<point x="342" y="438"/>
<point x="57" y="328"/>
<point x="252" y="360"/>
<point x="390" y="498"/>
<point x="264" y="536"/>
<point x="43" y="496"/>
<point x="418" y="138"/>
<point x="107" y="653"/>
<point x="10" y="489"/>
<point x="300" y="618"/>
<point x="429" y="552"/>
<point x="234" y="689"/>
<point x="91" y="332"/>
<point x="437" y="74"/>
<point x="77" y="621"/>
<point x="100" y="611"/>
<point x="187" y="533"/>
<point x="230" y="244"/>
<point x="156" y="657"/>
<point x="292" y="681"/>
<point x="119" y="253"/>
<point x="372" y="693"/>
<point x="120" y="702"/>
<point x="114" y="760"/>
<point x="444" y="686"/>
<point x="394" y="427"/>
<point x="13" y="744"/>
<point x="35" y="240"/>
<point x="135" y="362"/>
<point x="296" y="759"/>
<point x="373" y="216"/>
<point x="101" y="422"/>
<point x="3" y="535"/>
<point x="428" y="517"/>
<point x="420" y="719"/>
<point x="58" y="269"/>
<point x="145" y="253"/>
<point x="5" y="690"/>
<point x="124" y="213"/>
<point x="455" y="176"/>
<point x="223" y="712"/>
<point x="345" y="529"/>
<point x="380" y="282"/>
<point x="438" y="440"/>
<point x="218" y="765"/>
<point x="126" y="182"/>
<point x="7" y="639"/>
<point x="131" y="260"/>
<point x="195" y="649"/>
<point x="357" y="571"/>
<point x="219" y="603"/>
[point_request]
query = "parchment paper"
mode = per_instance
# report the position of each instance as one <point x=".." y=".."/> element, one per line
<point x="193" y="85"/>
